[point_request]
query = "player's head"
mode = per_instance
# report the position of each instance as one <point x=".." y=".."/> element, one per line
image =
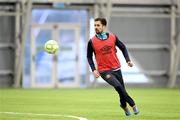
<point x="100" y="25"/>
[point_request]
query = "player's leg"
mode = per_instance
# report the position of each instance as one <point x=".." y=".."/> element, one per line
<point x="124" y="99"/>
<point x="109" y="77"/>
<point x="119" y="77"/>
<point x="131" y="102"/>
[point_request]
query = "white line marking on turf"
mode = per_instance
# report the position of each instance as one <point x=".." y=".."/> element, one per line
<point x="49" y="115"/>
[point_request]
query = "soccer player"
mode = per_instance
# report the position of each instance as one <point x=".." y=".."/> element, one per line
<point x="103" y="45"/>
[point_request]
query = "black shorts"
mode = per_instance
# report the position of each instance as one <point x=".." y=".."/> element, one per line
<point x="113" y="77"/>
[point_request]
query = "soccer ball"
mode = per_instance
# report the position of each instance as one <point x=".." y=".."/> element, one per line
<point x="51" y="47"/>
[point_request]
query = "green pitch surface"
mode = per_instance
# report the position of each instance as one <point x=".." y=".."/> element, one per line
<point x="92" y="104"/>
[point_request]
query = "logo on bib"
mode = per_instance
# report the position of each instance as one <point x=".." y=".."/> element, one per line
<point x="106" y="49"/>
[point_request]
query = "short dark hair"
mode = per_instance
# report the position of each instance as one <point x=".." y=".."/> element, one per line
<point x="102" y="20"/>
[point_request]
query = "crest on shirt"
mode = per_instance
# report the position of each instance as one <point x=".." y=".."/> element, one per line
<point x="108" y="76"/>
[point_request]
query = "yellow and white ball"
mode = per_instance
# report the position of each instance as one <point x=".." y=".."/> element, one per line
<point x="51" y="47"/>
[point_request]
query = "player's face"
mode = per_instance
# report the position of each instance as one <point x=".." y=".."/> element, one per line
<point x="99" y="28"/>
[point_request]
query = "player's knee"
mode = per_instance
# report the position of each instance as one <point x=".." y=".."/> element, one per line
<point x="118" y="88"/>
<point x="121" y="91"/>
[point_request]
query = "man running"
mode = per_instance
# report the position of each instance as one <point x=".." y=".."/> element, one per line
<point x="103" y="45"/>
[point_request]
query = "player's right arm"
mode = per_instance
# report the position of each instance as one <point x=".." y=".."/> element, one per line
<point x="90" y="51"/>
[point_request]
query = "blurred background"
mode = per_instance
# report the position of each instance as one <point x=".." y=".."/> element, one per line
<point x="149" y="28"/>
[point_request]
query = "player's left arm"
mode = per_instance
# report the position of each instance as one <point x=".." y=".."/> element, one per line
<point x="124" y="50"/>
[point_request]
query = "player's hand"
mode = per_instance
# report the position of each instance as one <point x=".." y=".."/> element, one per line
<point x="130" y="64"/>
<point x="96" y="73"/>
